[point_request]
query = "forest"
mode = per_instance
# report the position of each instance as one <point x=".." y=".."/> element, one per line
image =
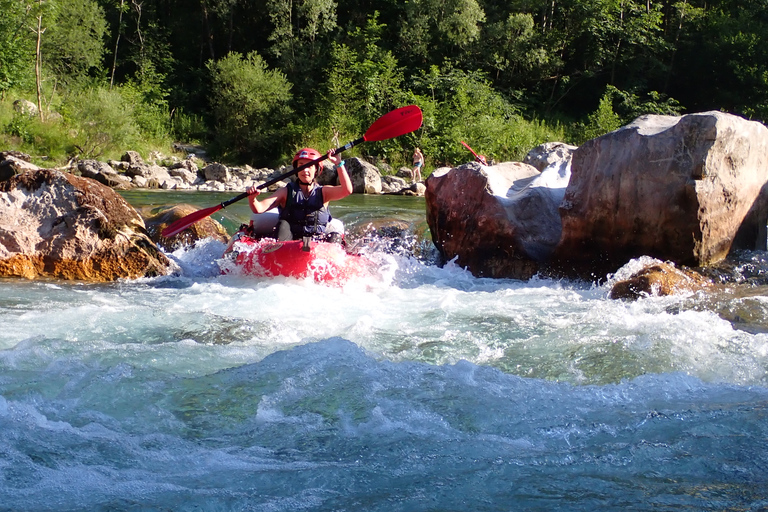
<point x="253" y="80"/>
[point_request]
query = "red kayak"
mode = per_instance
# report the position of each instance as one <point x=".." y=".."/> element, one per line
<point x="324" y="262"/>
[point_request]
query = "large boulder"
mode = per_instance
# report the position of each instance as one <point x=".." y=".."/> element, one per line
<point x="684" y="189"/>
<point x="55" y="224"/>
<point x="365" y="177"/>
<point x="550" y="154"/>
<point x="496" y="221"/>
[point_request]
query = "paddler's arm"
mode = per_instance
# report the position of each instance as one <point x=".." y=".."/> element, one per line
<point x="344" y="188"/>
<point x="276" y="199"/>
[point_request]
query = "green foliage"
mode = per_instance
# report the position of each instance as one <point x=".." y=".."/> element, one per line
<point x="497" y="74"/>
<point x="466" y="107"/>
<point x="603" y="119"/>
<point x="46" y="142"/>
<point x="188" y="127"/>
<point x="73" y="41"/>
<point x="250" y="105"/>
<point x="15" y="46"/>
<point x="456" y="23"/>
<point x="617" y="108"/>
<point x="148" y="97"/>
<point x="101" y="121"/>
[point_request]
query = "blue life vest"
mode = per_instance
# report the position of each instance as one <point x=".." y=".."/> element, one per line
<point x="307" y="216"/>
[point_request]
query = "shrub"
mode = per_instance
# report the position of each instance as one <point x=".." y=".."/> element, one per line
<point x="101" y="121"/>
<point x="250" y="105"/>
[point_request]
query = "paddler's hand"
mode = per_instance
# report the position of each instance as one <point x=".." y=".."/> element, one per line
<point x="253" y="189"/>
<point x="333" y="158"/>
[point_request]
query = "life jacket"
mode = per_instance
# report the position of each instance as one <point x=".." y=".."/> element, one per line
<point x="307" y="216"/>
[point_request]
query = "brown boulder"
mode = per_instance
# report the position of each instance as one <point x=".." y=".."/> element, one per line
<point x="55" y="224"/>
<point x="683" y="189"/>
<point x="659" y="279"/>
<point x="204" y="228"/>
<point x="472" y="215"/>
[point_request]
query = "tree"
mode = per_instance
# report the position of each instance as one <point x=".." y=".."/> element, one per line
<point x="73" y="44"/>
<point x="15" y="45"/>
<point x="432" y="26"/>
<point x="298" y="27"/>
<point x="250" y="105"/>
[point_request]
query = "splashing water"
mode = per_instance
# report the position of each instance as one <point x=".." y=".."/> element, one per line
<point x="422" y="389"/>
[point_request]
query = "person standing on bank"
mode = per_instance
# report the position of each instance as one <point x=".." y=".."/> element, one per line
<point x="418" y="163"/>
<point x="303" y="204"/>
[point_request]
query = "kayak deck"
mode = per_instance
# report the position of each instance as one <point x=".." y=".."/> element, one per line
<point x="323" y="262"/>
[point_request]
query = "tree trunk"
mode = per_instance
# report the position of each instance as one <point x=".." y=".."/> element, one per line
<point x="117" y="43"/>
<point x="39" y="61"/>
<point x="207" y="28"/>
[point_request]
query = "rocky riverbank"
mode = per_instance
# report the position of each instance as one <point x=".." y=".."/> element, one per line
<point x="194" y="173"/>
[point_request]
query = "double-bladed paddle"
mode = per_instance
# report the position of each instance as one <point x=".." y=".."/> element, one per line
<point x="479" y="158"/>
<point x="392" y="124"/>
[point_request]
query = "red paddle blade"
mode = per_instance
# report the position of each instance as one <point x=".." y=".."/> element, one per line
<point x="469" y="148"/>
<point x="393" y="124"/>
<point x="184" y="222"/>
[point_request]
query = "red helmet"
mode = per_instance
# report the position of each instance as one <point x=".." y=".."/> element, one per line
<point x="306" y="153"/>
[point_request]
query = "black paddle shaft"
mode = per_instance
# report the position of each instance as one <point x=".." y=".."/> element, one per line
<point x="336" y="151"/>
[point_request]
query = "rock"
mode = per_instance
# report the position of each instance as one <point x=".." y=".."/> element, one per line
<point x="550" y="154"/>
<point x="133" y="158"/>
<point x="216" y="172"/>
<point x="405" y="172"/>
<point x="658" y="279"/>
<point x="184" y="174"/>
<point x="55" y="224"/>
<point x="473" y="217"/>
<point x="204" y="228"/>
<point x="682" y="189"/>
<point x="14" y="162"/>
<point x="25" y="107"/>
<point x="187" y="164"/>
<point x="16" y="154"/>
<point x="393" y="185"/>
<point x="365" y="177"/>
<point x="328" y="175"/>
<point x="104" y="174"/>
<point x="153" y="176"/>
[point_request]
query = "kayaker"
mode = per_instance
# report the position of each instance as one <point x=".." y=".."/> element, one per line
<point x="303" y="204"/>
<point x="418" y="162"/>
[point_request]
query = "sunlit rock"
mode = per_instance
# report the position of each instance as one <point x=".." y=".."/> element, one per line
<point x="658" y="279"/>
<point x="216" y="172"/>
<point x="104" y="174"/>
<point x="204" y="228"/>
<point x="684" y="189"/>
<point x="25" y="107"/>
<point x="55" y="224"/>
<point x="365" y="177"/>
<point x="550" y="154"/>
<point x="498" y="221"/>
<point x="392" y="184"/>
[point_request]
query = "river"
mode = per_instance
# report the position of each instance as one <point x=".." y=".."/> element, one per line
<point x="421" y="388"/>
